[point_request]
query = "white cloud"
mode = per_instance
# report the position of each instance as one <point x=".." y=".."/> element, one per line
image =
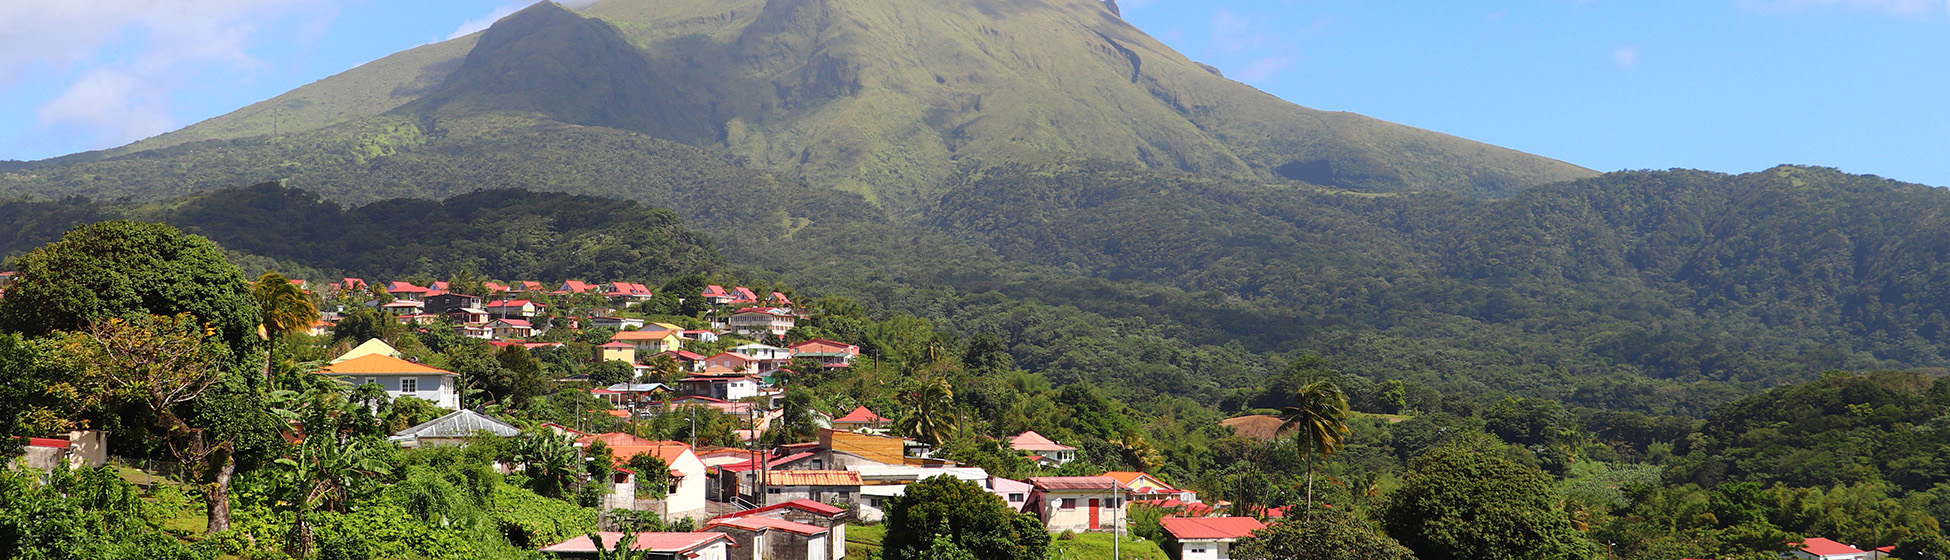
<point x="113" y="106"/>
<point x="1626" y="57"/>
<point x="1896" y="7"/>
<point x="129" y="54"/>
<point x="1263" y="68"/>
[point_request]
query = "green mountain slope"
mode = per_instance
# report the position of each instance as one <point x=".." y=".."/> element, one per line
<point x="878" y="97"/>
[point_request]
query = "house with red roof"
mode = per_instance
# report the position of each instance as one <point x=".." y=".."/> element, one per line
<point x="406" y="291"/>
<point x="1077" y="503"/>
<point x="1045" y="450"/>
<point x="723" y="387"/>
<point x="351" y="284"/>
<point x="1206" y="538"/>
<point x="826" y="352"/>
<point x="687" y="474"/>
<point x="1141" y="486"/>
<point x="732" y="362"/>
<point x="621" y="292"/>
<point x="815" y="485"/>
<point x="688" y="546"/>
<point x="755" y="320"/>
<point x="1817" y="548"/>
<point x="528" y="287"/>
<point x="576" y="287"/>
<point x="505" y="329"/>
<point x="830" y="517"/>
<point x="860" y="418"/>
<point x="771" y="538"/>
<point x="512" y="308"/>
<point x="494" y="288"/>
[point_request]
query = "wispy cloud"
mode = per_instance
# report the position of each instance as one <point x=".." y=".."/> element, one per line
<point x="1626" y="57"/>
<point x="471" y="26"/>
<point x="1896" y="7"/>
<point x="1263" y="68"/>
<point x="129" y="53"/>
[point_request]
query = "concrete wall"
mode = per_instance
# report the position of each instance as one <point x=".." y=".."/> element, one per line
<point x="1077" y="518"/>
<point x="1212" y="550"/>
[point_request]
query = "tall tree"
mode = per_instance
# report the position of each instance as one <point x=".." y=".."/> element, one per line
<point x="130" y="269"/>
<point x="1466" y="500"/>
<point x="968" y="517"/>
<point x="158" y="365"/>
<point x="795" y="423"/>
<point x="1318" y="422"/>
<point x="284" y="309"/>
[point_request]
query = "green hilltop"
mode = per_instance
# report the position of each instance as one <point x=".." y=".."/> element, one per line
<point x="879" y="97"/>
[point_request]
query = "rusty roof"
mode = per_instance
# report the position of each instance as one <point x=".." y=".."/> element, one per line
<point x="812" y="478"/>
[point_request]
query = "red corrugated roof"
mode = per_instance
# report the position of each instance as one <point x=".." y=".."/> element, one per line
<point x="761" y="523"/>
<point x="808" y="506"/>
<point x="1204" y="528"/>
<point x="47" y="442"/>
<point x="1823" y="547"/>
<point x="860" y="415"/>
<point x="655" y="542"/>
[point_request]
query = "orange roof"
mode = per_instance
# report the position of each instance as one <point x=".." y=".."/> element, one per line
<point x="812" y="478"/>
<point x="624" y="446"/>
<point x="860" y="415"/>
<point x="1209" y="528"/>
<point x="380" y="364"/>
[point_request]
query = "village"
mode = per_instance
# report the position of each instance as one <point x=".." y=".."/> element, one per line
<point x="789" y="482"/>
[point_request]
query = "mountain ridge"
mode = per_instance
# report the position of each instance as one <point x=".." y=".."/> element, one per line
<point x="877" y="97"/>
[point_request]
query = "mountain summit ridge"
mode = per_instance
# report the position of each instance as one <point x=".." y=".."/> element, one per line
<point x="885" y="98"/>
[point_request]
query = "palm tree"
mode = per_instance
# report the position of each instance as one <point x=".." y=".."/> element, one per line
<point x="321" y="478"/>
<point x="795" y="422"/>
<point x="1317" y="421"/>
<point x="930" y="416"/>
<point x="285" y="309"/>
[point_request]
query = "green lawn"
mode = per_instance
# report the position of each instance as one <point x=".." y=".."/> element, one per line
<point x="1098" y="546"/>
<point x="860" y="540"/>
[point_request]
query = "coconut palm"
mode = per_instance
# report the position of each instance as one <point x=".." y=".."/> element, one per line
<point x="1318" y="423"/>
<point x="284" y="309"/>
<point x="931" y="416"/>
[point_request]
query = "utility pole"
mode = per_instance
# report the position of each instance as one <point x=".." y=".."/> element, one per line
<point x="1117" y="534"/>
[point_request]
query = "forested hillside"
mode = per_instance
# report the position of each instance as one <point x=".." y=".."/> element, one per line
<point x="1663" y="292"/>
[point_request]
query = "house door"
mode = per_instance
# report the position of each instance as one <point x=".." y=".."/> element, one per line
<point x="1093" y="514"/>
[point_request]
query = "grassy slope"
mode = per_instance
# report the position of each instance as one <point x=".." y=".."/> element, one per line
<point x="876" y="97"/>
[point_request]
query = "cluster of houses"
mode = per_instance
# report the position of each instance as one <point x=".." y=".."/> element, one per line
<point x="511" y="313"/>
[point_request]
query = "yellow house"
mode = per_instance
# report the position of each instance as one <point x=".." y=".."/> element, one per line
<point x="616" y="350"/>
<point x="650" y="341"/>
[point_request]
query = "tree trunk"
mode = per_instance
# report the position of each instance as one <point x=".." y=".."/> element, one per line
<point x="220" y="492"/>
<point x="1310" y="492"/>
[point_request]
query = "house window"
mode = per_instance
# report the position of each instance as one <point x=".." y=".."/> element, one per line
<point x="1017" y="497"/>
<point x="818" y="465"/>
<point x="1068" y="503"/>
<point x="372" y="380"/>
<point x="409" y="385"/>
<point x="846" y="495"/>
<point x="774" y="491"/>
<point x="1198" y="551"/>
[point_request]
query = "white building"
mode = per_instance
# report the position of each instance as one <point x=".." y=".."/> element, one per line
<point x="400" y="378"/>
<point x="1207" y="538"/>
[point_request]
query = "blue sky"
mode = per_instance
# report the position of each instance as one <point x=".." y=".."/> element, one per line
<point x="1725" y="85"/>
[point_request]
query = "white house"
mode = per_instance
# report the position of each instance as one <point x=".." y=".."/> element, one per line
<point x="685" y="497"/>
<point x="400" y="378"/>
<point x="512" y="308"/>
<point x="1046" y="450"/>
<point x="752" y="320"/>
<point x="768" y="356"/>
<point x="1077" y="503"/>
<point x="1207" y="538"/>
<point x="767" y="538"/>
<point x="1817" y="548"/>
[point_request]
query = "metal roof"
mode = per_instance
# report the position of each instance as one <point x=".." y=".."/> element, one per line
<point x="812" y="478"/>
<point x="1210" y="528"/>
<point x="1075" y="483"/>
<point x="458" y="424"/>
